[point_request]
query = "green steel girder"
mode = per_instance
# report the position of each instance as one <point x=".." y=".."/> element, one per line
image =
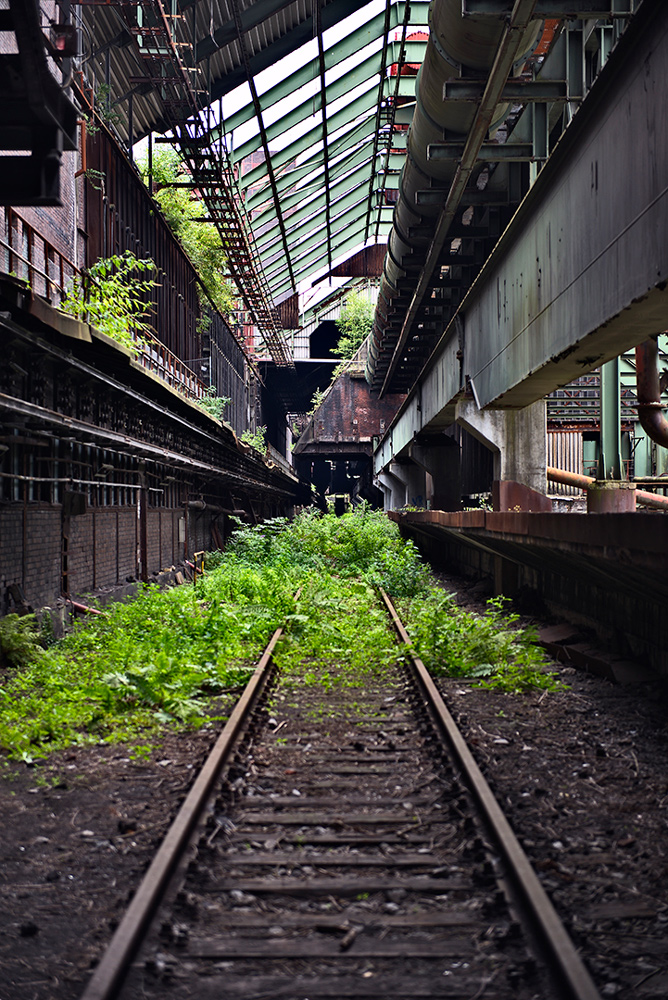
<point x="312" y="104"/>
<point x="363" y="36"/>
<point x="314" y="248"/>
<point x="309" y="216"/>
<point x="354" y="241"/>
<point x="315" y="200"/>
<point x="332" y="13"/>
<point x="341" y="117"/>
<point x="295" y="196"/>
<point x="317" y="234"/>
<point x="305" y="217"/>
<point x="306" y="228"/>
<point x="298" y="238"/>
<point x="366" y="70"/>
<point x="365" y="104"/>
<point x="287" y="180"/>
<point x="610" y="463"/>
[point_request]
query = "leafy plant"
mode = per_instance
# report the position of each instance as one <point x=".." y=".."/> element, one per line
<point x="167" y="657"/>
<point x="354" y="325"/>
<point x="256" y="439"/>
<point x="112" y="296"/>
<point x="103" y="108"/>
<point x="182" y="209"/>
<point x="317" y="399"/>
<point x="213" y="403"/>
<point x="488" y="647"/>
<point x="19" y="640"/>
<point x="96" y="178"/>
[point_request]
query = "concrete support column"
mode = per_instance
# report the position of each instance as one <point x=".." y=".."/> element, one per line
<point x="440" y="458"/>
<point x="609" y="496"/>
<point x="517" y="438"/>
<point x="394" y="490"/>
<point x="413" y="478"/>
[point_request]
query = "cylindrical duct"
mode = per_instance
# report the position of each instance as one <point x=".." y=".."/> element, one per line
<point x="456" y="44"/>
<point x="648" y="387"/>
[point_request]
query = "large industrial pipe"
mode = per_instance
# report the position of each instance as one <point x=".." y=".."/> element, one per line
<point x="651" y="418"/>
<point x="457" y="46"/>
<point x="576" y="479"/>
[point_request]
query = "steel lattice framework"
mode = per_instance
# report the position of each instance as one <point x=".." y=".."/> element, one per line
<point x="311" y="181"/>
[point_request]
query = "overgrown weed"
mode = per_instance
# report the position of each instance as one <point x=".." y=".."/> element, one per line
<point x="488" y="648"/>
<point x="167" y="657"/>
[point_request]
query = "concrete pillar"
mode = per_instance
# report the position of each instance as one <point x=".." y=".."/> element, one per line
<point x="393" y="489"/>
<point x="517" y="438"/>
<point x="440" y="458"/>
<point x="413" y="478"/>
<point x="610" y="496"/>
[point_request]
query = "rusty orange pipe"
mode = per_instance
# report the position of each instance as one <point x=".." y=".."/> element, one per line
<point x="575" y="479"/>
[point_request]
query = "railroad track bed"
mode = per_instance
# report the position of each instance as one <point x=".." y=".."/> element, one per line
<point x="343" y="856"/>
<point x="589" y="809"/>
<point x="340" y="860"/>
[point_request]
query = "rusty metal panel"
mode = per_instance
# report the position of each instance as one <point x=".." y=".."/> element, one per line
<point x="350" y="415"/>
<point x="564" y="451"/>
<point x="367" y="263"/>
<point x="288" y="312"/>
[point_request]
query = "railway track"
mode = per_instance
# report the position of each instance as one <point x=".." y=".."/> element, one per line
<point x="340" y="842"/>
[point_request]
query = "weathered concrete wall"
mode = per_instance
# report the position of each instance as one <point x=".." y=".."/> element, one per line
<point x="594" y="569"/>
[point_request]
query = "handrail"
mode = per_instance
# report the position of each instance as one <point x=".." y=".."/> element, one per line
<point x="152" y="354"/>
<point x="155" y="356"/>
<point x="63" y="265"/>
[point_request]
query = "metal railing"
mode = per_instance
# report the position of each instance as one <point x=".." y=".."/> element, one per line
<point x="29" y="255"/>
<point x="155" y="357"/>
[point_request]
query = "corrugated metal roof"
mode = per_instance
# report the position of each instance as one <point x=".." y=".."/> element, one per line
<point x="151" y="64"/>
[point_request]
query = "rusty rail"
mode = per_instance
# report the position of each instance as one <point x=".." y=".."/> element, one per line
<point x="115" y="963"/>
<point x="109" y="975"/>
<point x="561" y="950"/>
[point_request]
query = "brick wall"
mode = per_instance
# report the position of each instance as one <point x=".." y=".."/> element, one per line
<point x="102" y="548"/>
<point x="168" y="537"/>
<point x="126" y="541"/>
<point x="37" y="569"/>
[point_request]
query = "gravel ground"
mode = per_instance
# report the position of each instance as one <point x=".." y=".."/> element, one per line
<point x="582" y="773"/>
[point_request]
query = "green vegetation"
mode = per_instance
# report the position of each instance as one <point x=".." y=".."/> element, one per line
<point x="213" y="403"/>
<point x="354" y="325"/>
<point x="318" y="397"/>
<point x="488" y="648"/>
<point x="181" y="209"/>
<point x="112" y="296"/>
<point x="257" y="440"/>
<point x="167" y="657"/>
